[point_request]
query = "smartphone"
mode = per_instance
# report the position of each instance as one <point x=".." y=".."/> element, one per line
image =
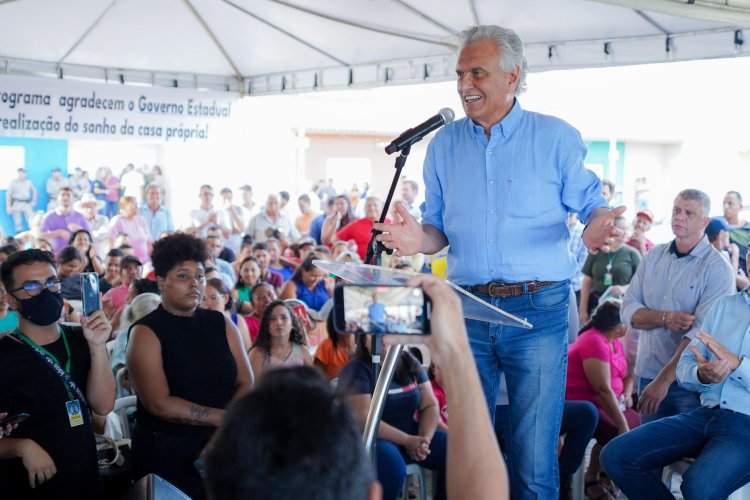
<point x="383" y="309"/>
<point x="14" y="419"/>
<point x="90" y="293"/>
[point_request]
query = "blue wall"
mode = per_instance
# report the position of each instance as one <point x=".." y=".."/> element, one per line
<point x="598" y="152"/>
<point x="42" y="155"/>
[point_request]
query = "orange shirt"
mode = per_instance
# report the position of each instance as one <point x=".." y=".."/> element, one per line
<point x="333" y="359"/>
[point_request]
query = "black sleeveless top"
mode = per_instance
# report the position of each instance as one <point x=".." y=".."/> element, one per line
<point x="197" y="362"/>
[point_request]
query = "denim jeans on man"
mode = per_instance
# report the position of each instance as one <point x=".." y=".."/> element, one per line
<point x="678" y="400"/>
<point x="534" y="362"/>
<point x="719" y="438"/>
<point x="578" y="424"/>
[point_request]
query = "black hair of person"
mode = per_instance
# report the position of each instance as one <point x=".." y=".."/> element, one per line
<point x="306" y="265"/>
<point x="239" y="278"/>
<point x="145" y="285"/>
<point x="68" y="254"/>
<point x="605" y="317"/>
<point x="170" y="251"/>
<point x="222" y="289"/>
<point x="407" y="368"/>
<point x="73" y="236"/>
<point x="263" y="448"/>
<point x="22" y="258"/>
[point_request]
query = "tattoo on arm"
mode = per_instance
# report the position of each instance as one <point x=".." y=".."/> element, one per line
<point x="197" y="413"/>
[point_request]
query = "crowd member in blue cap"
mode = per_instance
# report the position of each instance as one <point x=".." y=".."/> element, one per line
<point x="717" y="232"/>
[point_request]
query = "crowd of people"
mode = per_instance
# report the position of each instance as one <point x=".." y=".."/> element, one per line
<point x="652" y="337"/>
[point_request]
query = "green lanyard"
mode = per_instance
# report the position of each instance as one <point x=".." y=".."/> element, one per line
<point x="611" y="258"/>
<point x="52" y="356"/>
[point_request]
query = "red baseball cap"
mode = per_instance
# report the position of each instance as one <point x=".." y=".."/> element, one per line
<point x="645" y="212"/>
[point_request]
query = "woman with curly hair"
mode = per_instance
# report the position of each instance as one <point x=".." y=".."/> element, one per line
<point x="186" y="365"/>
<point x="280" y="340"/>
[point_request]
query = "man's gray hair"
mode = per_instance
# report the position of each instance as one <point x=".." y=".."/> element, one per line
<point x="699" y="196"/>
<point x="510" y="45"/>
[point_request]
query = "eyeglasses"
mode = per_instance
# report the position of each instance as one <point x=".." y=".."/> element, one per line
<point x="35" y="288"/>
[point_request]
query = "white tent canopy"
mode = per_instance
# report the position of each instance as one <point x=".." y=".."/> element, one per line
<point x="272" y="46"/>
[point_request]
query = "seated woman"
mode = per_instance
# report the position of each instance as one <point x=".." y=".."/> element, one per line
<point x="136" y="228"/>
<point x="342" y="215"/>
<point x="598" y="373"/>
<point x="186" y="365"/>
<point x="217" y="298"/>
<point x="247" y="278"/>
<point x="280" y="341"/>
<point x="334" y="352"/>
<point x="401" y="439"/>
<point x="68" y="264"/>
<point x="91" y="263"/>
<point x="261" y="295"/>
<point x="308" y="284"/>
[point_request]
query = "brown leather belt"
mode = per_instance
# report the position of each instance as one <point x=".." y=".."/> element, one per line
<point x="499" y="289"/>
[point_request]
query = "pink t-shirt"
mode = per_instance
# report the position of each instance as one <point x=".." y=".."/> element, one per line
<point x="118" y="296"/>
<point x="138" y="233"/>
<point x="593" y="344"/>
<point x="253" y="325"/>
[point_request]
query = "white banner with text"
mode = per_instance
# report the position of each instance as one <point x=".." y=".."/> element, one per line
<point x="64" y="109"/>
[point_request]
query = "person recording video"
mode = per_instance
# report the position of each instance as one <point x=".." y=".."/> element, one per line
<point x="57" y="374"/>
<point x="292" y="432"/>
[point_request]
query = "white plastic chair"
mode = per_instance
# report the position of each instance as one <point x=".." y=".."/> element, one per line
<point x="681" y="466"/>
<point x="121" y="409"/>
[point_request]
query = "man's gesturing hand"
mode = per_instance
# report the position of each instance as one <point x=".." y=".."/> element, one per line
<point x="601" y="229"/>
<point x="404" y="237"/>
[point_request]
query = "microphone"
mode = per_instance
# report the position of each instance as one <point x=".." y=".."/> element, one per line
<point x="444" y="117"/>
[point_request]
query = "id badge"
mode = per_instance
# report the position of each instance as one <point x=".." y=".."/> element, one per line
<point x="608" y="279"/>
<point x="75" y="416"/>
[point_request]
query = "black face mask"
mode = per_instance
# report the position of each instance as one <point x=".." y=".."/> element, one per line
<point x="43" y="309"/>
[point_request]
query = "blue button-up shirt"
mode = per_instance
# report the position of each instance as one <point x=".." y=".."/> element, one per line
<point x="158" y="221"/>
<point x="666" y="282"/>
<point x="503" y="202"/>
<point x="728" y="321"/>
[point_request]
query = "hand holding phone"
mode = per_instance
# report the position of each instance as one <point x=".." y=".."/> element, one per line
<point x="8" y="423"/>
<point x="90" y="293"/>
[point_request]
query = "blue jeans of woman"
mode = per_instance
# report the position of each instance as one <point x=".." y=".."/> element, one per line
<point x="534" y="362"/>
<point x="718" y="439"/>
<point x="392" y="460"/>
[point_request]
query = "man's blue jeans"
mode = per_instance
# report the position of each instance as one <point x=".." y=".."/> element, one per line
<point x="718" y="439"/>
<point x="534" y="362"/>
<point x="678" y="400"/>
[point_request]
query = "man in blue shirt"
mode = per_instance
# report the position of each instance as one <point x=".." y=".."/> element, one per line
<point x="717" y="434"/>
<point x="499" y="186"/>
<point x="158" y="217"/>
<point x="376" y="313"/>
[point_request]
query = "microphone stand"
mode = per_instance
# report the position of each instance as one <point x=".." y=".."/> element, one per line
<point x="381" y="381"/>
<point x="376" y="248"/>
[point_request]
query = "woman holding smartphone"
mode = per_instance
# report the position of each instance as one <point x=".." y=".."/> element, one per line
<point x="186" y="365"/>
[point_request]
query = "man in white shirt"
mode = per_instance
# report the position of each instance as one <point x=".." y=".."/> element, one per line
<point x="272" y="223"/>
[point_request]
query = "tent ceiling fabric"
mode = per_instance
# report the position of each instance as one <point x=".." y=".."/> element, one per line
<point x="271" y="46"/>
